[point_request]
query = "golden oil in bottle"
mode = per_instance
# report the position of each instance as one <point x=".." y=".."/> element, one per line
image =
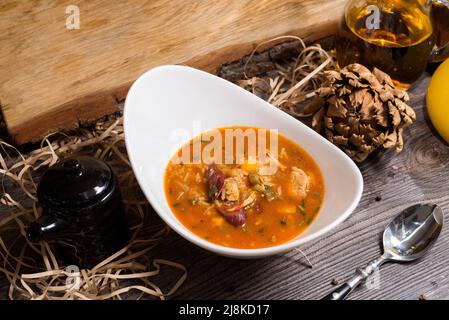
<point x="440" y="22"/>
<point x="400" y="44"/>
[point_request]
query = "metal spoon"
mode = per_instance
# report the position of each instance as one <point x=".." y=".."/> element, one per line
<point x="406" y="238"/>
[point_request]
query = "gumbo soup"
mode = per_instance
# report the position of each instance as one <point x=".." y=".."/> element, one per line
<point x="230" y="193"/>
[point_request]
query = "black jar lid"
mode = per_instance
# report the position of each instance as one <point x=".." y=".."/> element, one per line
<point x="75" y="183"/>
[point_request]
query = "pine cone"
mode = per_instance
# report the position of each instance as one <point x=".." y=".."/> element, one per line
<point x="360" y="111"/>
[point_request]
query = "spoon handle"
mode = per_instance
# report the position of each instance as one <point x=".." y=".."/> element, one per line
<point x="361" y="274"/>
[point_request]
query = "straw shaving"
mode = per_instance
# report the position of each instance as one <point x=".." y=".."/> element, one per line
<point x="286" y="81"/>
<point x="33" y="271"/>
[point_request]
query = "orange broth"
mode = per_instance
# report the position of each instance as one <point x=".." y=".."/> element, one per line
<point x="283" y="204"/>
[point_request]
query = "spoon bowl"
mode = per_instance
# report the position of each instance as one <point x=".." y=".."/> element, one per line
<point x="406" y="238"/>
<point x="411" y="233"/>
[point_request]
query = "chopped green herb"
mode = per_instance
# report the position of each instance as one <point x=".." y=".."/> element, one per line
<point x="213" y="190"/>
<point x="176" y="204"/>
<point x="261" y="230"/>
<point x="266" y="189"/>
<point x="283" y="221"/>
<point x="310" y="219"/>
<point x="315" y="211"/>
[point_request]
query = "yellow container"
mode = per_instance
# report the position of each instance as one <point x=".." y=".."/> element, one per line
<point x="438" y="100"/>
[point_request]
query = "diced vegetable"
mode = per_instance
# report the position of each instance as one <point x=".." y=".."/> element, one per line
<point x="215" y="181"/>
<point x="288" y="209"/>
<point x="254" y="178"/>
<point x="258" y="185"/>
<point x="217" y="221"/>
<point x="249" y="166"/>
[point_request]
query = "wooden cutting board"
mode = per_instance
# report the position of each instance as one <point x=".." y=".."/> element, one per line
<point x="52" y="77"/>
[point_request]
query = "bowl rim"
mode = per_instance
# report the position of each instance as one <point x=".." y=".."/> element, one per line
<point x="216" y="248"/>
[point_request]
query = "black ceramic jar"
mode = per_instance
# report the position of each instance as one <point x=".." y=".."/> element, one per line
<point x="83" y="212"/>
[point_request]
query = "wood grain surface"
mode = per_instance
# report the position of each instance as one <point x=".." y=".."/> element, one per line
<point x="52" y="77"/>
<point x="392" y="183"/>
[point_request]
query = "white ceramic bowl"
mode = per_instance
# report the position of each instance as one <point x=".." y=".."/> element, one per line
<point x="169" y="105"/>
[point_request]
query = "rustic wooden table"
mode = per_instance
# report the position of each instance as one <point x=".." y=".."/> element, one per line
<point x="392" y="182"/>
